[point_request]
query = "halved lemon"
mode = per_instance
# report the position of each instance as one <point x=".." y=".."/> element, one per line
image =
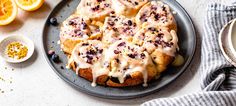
<point x="8" y="11"/>
<point x="29" y="5"/>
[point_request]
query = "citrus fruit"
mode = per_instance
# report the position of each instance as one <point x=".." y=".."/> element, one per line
<point x="29" y="5"/>
<point x="8" y="11"/>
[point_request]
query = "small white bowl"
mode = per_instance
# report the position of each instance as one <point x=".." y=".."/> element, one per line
<point x="17" y="38"/>
<point x="232" y="37"/>
<point x="223" y="41"/>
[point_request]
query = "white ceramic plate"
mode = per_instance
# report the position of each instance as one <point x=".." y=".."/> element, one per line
<point x="187" y="44"/>
<point x="17" y="38"/>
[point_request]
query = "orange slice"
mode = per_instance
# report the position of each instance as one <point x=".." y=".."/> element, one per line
<point x="29" y="5"/>
<point x="8" y="11"/>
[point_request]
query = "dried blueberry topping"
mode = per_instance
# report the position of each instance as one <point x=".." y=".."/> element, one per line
<point x="111" y="23"/>
<point x="143" y="18"/>
<point x="130" y="22"/>
<point x="84" y="25"/>
<point x="91" y="52"/>
<point x="89" y="59"/>
<point x="96" y="8"/>
<point x="132" y="55"/>
<point x="168" y="44"/>
<point x="121" y="44"/>
<point x="160" y="35"/>
<point x="106" y="5"/>
<point x="157" y="16"/>
<point x="152" y="29"/>
<point x="113" y="12"/>
<point x="153" y="7"/>
<point x="117" y="60"/>
<point x="100" y="51"/>
<point x="85" y="44"/>
<point x="163" y="8"/>
<point x="157" y="42"/>
<point x="142" y="55"/>
<point x="72" y="23"/>
<point x="136" y="3"/>
<point x="115" y="29"/>
<point x="116" y="51"/>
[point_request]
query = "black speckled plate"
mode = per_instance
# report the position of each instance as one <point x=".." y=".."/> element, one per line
<point x="187" y="43"/>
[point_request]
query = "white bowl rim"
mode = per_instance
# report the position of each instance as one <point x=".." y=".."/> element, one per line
<point x="231" y="46"/>
<point x="29" y="43"/>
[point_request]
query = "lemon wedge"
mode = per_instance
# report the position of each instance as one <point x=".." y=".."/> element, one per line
<point x="8" y="11"/>
<point x="29" y="5"/>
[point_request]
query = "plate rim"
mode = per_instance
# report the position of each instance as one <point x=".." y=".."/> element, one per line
<point x="79" y="88"/>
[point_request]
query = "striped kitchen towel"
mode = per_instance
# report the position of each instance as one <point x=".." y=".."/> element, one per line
<point x="218" y="76"/>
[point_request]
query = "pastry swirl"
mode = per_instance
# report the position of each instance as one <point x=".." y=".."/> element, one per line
<point x="76" y="29"/>
<point x="118" y="28"/>
<point x="127" y="8"/>
<point x="95" y="9"/>
<point x="156" y="13"/>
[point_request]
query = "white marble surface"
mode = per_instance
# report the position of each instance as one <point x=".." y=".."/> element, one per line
<point x="35" y="84"/>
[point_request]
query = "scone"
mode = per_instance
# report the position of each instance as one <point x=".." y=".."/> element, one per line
<point x="95" y="9"/>
<point x="156" y="13"/>
<point x="118" y="28"/>
<point x="127" y="7"/>
<point x="160" y="43"/>
<point x="76" y="29"/>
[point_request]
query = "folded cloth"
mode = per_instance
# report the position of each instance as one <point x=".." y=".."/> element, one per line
<point x="218" y="76"/>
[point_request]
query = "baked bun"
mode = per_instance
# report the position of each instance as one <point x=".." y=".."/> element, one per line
<point x="156" y="13"/>
<point x="127" y="60"/>
<point x="117" y="28"/>
<point x="76" y="29"/>
<point x="86" y="59"/>
<point x="127" y="7"/>
<point x="95" y="9"/>
<point x="160" y="43"/>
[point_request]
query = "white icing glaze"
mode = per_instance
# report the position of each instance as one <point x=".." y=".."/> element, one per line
<point x="171" y="50"/>
<point x="127" y="64"/>
<point x="160" y="39"/>
<point x="155" y="13"/>
<point x="81" y="50"/>
<point x="94" y="8"/>
<point x="98" y="70"/>
<point x="58" y="42"/>
<point x="118" y="28"/>
<point x="127" y="7"/>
